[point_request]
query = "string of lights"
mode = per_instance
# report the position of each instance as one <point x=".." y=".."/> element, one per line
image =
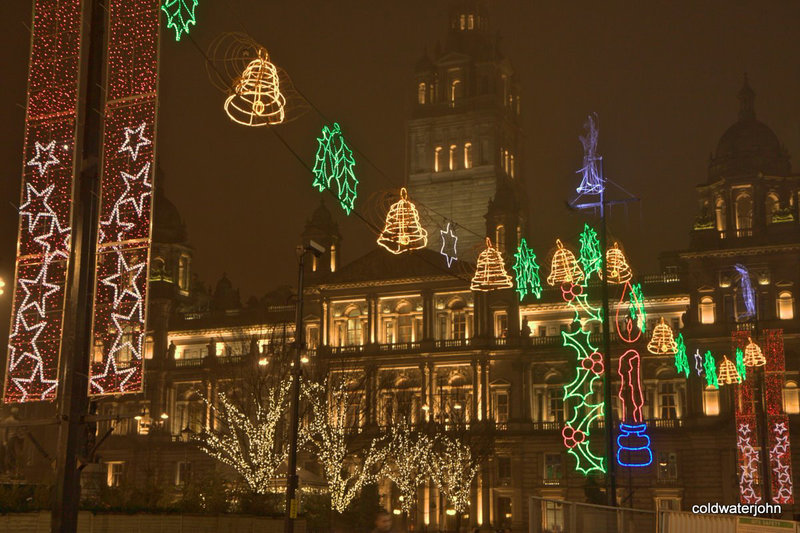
<point x="453" y="469"/>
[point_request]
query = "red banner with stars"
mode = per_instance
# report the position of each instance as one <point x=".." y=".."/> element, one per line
<point x="45" y="211"/>
<point x="126" y="198"/>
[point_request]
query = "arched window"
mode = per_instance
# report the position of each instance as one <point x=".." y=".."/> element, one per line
<point x="506" y="162"/>
<point x="770" y="206"/>
<point x="667" y="400"/>
<point x="707" y="315"/>
<point x="785" y="305"/>
<point x="422" y="89"/>
<point x="452" y="157"/>
<point x="721" y="215"/>
<point x="463" y="20"/>
<point x="455" y="88"/>
<point x="354" y="327"/>
<point x="744" y="215"/>
<point x="437" y="162"/>
<point x="467" y="155"/>
<point x="500" y="237"/>
<point x="791" y="398"/>
<point x="513" y="167"/>
<point x="183" y="273"/>
<point x="405" y="322"/>
<point x="471" y="22"/>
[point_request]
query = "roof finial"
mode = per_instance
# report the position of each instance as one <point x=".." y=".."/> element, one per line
<point x="747" y="98"/>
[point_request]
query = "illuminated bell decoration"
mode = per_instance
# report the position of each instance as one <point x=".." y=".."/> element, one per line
<point x="617" y="266"/>
<point x="564" y="268"/>
<point x="403" y="231"/>
<point x="257" y="98"/>
<point x="490" y="273"/>
<point x="753" y="355"/>
<point x="728" y="373"/>
<point x="663" y="341"/>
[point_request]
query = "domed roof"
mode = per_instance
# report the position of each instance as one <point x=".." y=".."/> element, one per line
<point x="321" y="222"/>
<point x="749" y="146"/>
<point x="168" y="227"/>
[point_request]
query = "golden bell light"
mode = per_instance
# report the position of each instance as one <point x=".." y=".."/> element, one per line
<point x="619" y="271"/>
<point x="257" y="99"/>
<point x="564" y="267"/>
<point x="490" y="271"/>
<point x="753" y="356"/>
<point x="403" y="231"/>
<point x="663" y="341"/>
<point x="727" y="372"/>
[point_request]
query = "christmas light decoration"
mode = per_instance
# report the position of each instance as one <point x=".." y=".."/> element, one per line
<point x="403" y="231"/>
<point x="578" y="393"/>
<point x="780" y="456"/>
<point x="591" y="256"/>
<point x="752" y="354"/>
<point x="126" y="198"/>
<point x="633" y="444"/>
<point x="449" y="240"/>
<point x="334" y="161"/>
<point x="452" y="469"/>
<point x="617" y="266"/>
<point x="248" y="439"/>
<point x="748" y="459"/>
<point x="740" y="366"/>
<point x="408" y="463"/>
<point x="490" y="272"/>
<point x="591" y="174"/>
<point x="681" y="361"/>
<point x="727" y="372"/>
<point x="527" y="272"/>
<point x="256" y="98"/>
<point x="45" y="212"/>
<point x="331" y="442"/>
<point x="662" y="342"/>
<point x="637" y="312"/>
<point x="710" y="367"/>
<point x="698" y="363"/>
<point x="748" y="294"/>
<point x="564" y="268"/>
<point x="180" y="15"/>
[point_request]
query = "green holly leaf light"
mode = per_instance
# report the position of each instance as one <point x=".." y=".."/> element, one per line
<point x="527" y="272"/>
<point x="710" y="366"/>
<point x="180" y="14"/>
<point x="591" y="258"/>
<point x="334" y="162"/>
<point x="681" y="361"/>
<point x="636" y="307"/>
<point x="740" y="366"/>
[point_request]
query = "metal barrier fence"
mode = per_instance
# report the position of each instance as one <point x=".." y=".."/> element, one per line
<point x="558" y="516"/>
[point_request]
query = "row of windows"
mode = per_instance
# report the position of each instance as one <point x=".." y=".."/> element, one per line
<point x="743" y="212"/>
<point x="115" y="473"/>
<point x="707" y="310"/>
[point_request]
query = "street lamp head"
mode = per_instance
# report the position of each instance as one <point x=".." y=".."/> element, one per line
<point x="316" y="248"/>
<point x="164" y="416"/>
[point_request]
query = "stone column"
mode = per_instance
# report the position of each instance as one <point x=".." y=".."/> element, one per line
<point x="477" y="415"/>
<point x="428" y="314"/>
<point x="324" y="323"/>
<point x="485" y="388"/>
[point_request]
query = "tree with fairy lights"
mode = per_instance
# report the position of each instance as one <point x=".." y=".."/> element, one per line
<point x="349" y="461"/>
<point x="453" y="467"/>
<point x="249" y="433"/>
<point x="407" y="463"/>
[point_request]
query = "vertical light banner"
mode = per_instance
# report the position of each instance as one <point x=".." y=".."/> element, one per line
<point x="780" y="453"/>
<point x="45" y="211"/>
<point x="748" y="457"/>
<point x="126" y="198"/>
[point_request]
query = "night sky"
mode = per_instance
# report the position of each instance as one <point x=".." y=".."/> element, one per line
<point x="663" y="77"/>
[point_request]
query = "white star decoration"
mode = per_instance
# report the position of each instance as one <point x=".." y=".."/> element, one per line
<point x="36" y="206"/>
<point x="39" y="161"/>
<point x="32" y="380"/>
<point x="140" y="141"/>
<point x="781" y="470"/>
<point x="39" y="299"/>
<point x="749" y="464"/>
<point x="124" y="280"/>
<point x="449" y="240"/>
<point x="130" y="338"/>
<point x="21" y="326"/>
<point x="53" y="239"/>
<point x="113" y="229"/>
<point x="111" y="364"/>
<point x="137" y="189"/>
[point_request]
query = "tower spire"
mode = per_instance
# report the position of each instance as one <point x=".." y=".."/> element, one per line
<point x="747" y="99"/>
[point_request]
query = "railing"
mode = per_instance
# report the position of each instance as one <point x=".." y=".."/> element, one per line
<point x="451" y="343"/>
<point x="399" y="347"/>
<point x="197" y="361"/>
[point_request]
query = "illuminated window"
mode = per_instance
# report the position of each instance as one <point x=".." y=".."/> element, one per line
<point x="114" y="473"/>
<point x="771" y="206"/>
<point x="513" y="166"/>
<point x="467" y="155"/>
<point x="452" y="157"/>
<point x="471" y="22"/>
<point x="459" y="325"/>
<point x="744" y="215"/>
<point x="422" y="89"/>
<point x="707" y="310"/>
<point x="437" y="163"/>
<point x="333" y="258"/>
<point x="555" y="404"/>
<point x="455" y="86"/>
<point x="506" y="161"/>
<point x="354" y="328"/>
<point x="183" y="273"/>
<point x="720" y="212"/>
<point x="501" y="407"/>
<point x="463" y="21"/>
<point x="667" y="400"/>
<point x="500" y="237"/>
<point x="791" y="398"/>
<point x="667" y="466"/>
<point x="500" y="324"/>
<point x="711" y="401"/>
<point x="785" y="305"/>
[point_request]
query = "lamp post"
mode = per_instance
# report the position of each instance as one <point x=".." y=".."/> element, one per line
<point x="294" y="409"/>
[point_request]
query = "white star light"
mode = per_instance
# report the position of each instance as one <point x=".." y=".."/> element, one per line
<point x="112" y="230"/>
<point x="32" y="380"/>
<point x="50" y="240"/>
<point x="111" y="363"/>
<point x="125" y="277"/>
<point x="37" y="301"/>
<point x="449" y="240"/>
<point x="37" y="200"/>
<point x="138" y="185"/>
<point x="134" y="340"/>
<point x="33" y="353"/>
<point x="38" y="160"/>
<point x="140" y="141"/>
